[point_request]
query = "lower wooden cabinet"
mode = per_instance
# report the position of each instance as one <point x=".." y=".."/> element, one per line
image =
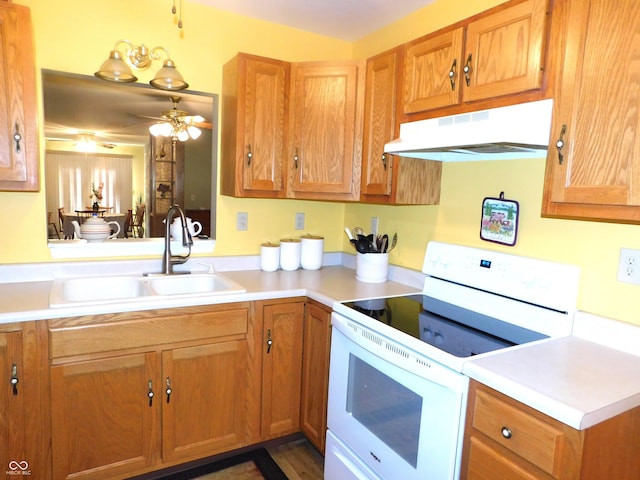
<point x="23" y="431"/>
<point x="315" y="373"/>
<point x="141" y="391"/>
<point x="281" y="322"/>
<point x="505" y="439"/>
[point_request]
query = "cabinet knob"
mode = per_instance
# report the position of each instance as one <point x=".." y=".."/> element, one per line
<point x="560" y="144"/>
<point x="296" y="157"/>
<point x="17" y="137"/>
<point x="384" y="161"/>
<point x="452" y="73"/>
<point x="14" y="378"/>
<point x="506" y="432"/>
<point x="269" y="341"/>
<point x="150" y="393"/>
<point x="168" y="390"/>
<point x="249" y="154"/>
<point x="467" y="71"/>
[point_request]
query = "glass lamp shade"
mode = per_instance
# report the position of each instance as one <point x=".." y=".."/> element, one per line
<point x="168" y="78"/>
<point x="114" y="69"/>
<point x="194" y="132"/>
<point x="162" y="129"/>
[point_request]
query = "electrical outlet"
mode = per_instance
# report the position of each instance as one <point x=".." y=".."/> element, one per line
<point x="374" y="226"/>
<point x="629" y="266"/>
<point x="242" y="221"/>
<point x="300" y="221"/>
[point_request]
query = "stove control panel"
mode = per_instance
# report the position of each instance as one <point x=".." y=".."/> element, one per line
<point x="554" y="285"/>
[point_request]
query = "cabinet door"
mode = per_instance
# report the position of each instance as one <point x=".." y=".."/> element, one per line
<point x="379" y="122"/>
<point x="18" y="114"/>
<point x="281" y="368"/>
<point x="204" y="396"/>
<point x="432" y="72"/>
<point x="12" y="405"/>
<point x="254" y="126"/>
<point x="104" y="424"/>
<point x="326" y="112"/>
<point x="596" y="173"/>
<point x="504" y="51"/>
<point x="315" y="373"/>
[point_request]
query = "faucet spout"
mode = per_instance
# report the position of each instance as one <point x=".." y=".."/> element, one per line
<point x="169" y="260"/>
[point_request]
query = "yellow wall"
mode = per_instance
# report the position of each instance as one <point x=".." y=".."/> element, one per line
<point x="76" y="35"/>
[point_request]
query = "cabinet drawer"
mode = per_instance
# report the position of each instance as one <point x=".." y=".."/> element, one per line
<point x="105" y="333"/>
<point x="525" y="435"/>
<point x="486" y="463"/>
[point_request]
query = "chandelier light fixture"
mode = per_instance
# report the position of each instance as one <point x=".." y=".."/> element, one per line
<point x="116" y="69"/>
<point x="177" y="124"/>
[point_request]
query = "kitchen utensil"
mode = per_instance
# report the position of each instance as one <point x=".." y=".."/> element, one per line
<point x="358" y="231"/>
<point x="362" y="244"/>
<point x="394" y="240"/>
<point x="372" y="245"/>
<point x="349" y="234"/>
<point x="383" y="244"/>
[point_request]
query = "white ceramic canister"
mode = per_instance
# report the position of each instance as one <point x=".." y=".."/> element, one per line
<point x="311" y="252"/>
<point x="290" y="253"/>
<point x="269" y="257"/>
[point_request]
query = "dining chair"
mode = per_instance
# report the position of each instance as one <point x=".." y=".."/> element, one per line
<point x="138" y="221"/>
<point x="53" y="224"/>
<point x="128" y="224"/>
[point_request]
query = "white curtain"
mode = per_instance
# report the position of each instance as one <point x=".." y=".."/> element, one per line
<point x="69" y="176"/>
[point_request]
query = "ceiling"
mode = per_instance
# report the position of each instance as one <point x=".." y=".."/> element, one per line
<point x="113" y="112"/>
<point x="348" y="20"/>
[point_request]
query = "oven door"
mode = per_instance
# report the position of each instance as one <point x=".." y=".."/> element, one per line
<point x="400" y="414"/>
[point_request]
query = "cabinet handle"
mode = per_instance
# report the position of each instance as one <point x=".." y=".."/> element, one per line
<point x="467" y="71"/>
<point x="384" y="160"/>
<point x="249" y="155"/>
<point x="168" y="391"/>
<point x="14" y="379"/>
<point x="560" y="144"/>
<point x="150" y="393"/>
<point x="295" y="159"/>
<point x="506" y="432"/>
<point x="17" y="137"/>
<point x="269" y="341"/>
<point x="452" y="74"/>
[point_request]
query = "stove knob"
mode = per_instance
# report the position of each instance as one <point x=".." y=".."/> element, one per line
<point x="428" y="334"/>
<point x="438" y="339"/>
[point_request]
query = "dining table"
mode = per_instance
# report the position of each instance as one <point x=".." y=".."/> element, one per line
<point x="79" y="215"/>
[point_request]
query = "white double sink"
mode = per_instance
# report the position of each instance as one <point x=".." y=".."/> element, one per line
<point x="67" y="292"/>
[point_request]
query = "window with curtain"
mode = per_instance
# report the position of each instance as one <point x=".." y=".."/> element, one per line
<point x="69" y="176"/>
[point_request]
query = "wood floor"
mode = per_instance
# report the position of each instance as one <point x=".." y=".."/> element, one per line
<point x="299" y="460"/>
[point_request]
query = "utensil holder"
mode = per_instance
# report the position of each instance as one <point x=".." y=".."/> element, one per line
<point x="372" y="267"/>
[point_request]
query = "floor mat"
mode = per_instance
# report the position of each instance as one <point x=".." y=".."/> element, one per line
<point x="255" y="465"/>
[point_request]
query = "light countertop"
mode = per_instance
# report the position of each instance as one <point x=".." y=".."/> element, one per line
<point x="579" y="380"/>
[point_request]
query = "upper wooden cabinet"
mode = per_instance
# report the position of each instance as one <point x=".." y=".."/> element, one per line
<point x="493" y="54"/>
<point x="389" y="178"/>
<point x="254" y="115"/>
<point x="325" y="140"/>
<point x="595" y="171"/>
<point x="18" y="113"/>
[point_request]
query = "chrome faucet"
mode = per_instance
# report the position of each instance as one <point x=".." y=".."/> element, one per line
<point x="169" y="260"/>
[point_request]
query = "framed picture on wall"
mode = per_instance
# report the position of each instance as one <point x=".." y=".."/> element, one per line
<point x="499" y="221"/>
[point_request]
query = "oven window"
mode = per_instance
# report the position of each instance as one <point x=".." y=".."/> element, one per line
<point x="386" y="408"/>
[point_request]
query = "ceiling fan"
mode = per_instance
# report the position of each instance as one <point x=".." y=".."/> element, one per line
<point x="83" y="141"/>
<point x="176" y="123"/>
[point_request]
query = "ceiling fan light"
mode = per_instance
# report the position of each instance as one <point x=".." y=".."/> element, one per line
<point x="162" y="129"/>
<point x="182" y="135"/>
<point x="168" y="78"/>
<point x="115" y="69"/>
<point x="194" y="132"/>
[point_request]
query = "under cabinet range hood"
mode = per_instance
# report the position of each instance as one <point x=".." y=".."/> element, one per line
<point x="505" y="133"/>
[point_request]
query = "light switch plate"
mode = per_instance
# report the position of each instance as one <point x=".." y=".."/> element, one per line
<point x="242" y="221"/>
<point x="300" y="221"/>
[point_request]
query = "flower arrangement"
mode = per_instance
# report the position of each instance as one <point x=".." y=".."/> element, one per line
<point x="163" y="188"/>
<point x="96" y="193"/>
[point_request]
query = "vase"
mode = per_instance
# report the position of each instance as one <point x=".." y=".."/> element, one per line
<point x="95" y="206"/>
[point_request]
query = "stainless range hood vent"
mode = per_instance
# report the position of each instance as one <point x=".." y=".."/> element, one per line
<point x="505" y="133"/>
